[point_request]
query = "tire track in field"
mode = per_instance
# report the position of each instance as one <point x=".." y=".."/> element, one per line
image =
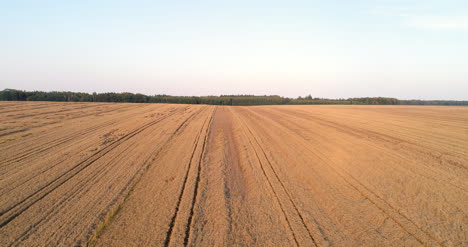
<point x="414" y="148"/>
<point x="287" y="193"/>
<point x="78" y="188"/>
<point x="46" y="105"/>
<point x="54" y="143"/>
<point x="250" y="136"/>
<point x="169" y="232"/>
<point x="113" y="211"/>
<point x="197" y="181"/>
<point x="12" y="212"/>
<point x="49" y="112"/>
<point x="77" y="113"/>
<point x="13" y="132"/>
<point x="408" y="225"/>
<point x="377" y="136"/>
<point x="58" y="205"/>
<point x="59" y="141"/>
<point x="391" y="212"/>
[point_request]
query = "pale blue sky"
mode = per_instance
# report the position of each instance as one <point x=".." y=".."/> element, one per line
<point x="404" y="49"/>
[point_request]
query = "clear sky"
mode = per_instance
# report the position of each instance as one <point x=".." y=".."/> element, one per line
<point x="335" y="48"/>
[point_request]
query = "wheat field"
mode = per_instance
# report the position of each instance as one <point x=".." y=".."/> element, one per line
<point x="106" y="174"/>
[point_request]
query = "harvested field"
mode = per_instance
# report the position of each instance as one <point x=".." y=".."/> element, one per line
<point x="103" y="174"/>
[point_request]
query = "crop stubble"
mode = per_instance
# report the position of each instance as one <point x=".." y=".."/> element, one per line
<point x="172" y="175"/>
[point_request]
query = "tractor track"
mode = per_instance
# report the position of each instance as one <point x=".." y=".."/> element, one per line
<point x="59" y="141"/>
<point x="101" y="171"/>
<point x="13" y="211"/>
<point x="197" y="181"/>
<point x="174" y="217"/>
<point x="201" y="175"/>
<point x="251" y="137"/>
<point x="408" y="225"/>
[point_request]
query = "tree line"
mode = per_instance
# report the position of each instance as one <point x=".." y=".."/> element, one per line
<point x="20" y="95"/>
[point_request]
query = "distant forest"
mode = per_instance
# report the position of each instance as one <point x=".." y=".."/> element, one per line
<point x="19" y="95"/>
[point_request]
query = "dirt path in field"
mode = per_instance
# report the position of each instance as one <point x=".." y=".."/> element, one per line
<point x="187" y="175"/>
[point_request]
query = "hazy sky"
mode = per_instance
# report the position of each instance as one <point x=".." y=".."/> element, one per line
<point x="404" y="49"/>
